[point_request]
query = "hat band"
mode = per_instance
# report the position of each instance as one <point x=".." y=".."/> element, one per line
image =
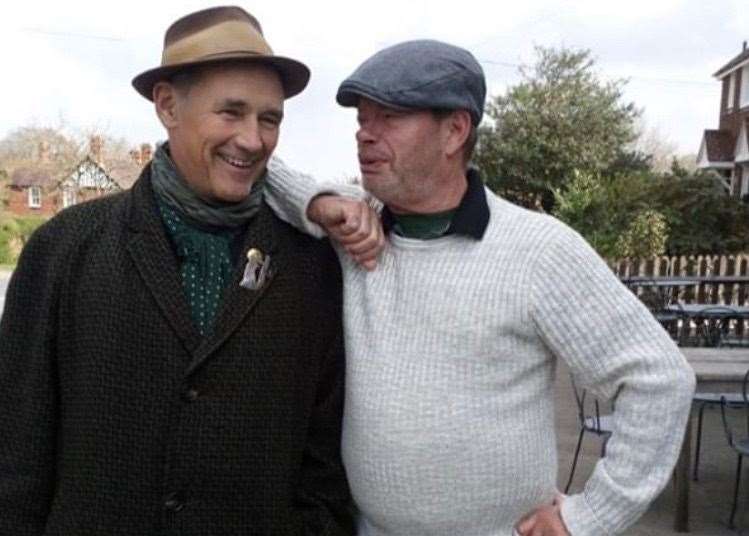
<point x="229" y="37"/>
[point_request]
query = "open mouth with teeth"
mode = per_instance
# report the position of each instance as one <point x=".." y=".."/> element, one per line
<point x="238" y="162"/>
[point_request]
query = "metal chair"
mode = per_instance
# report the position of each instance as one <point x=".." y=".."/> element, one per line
<point x="714" y="323"/>
<point x="658" y="298"/>
<point x="738" y="443"/>
<point x="733" y="400"/>
<point x="738" y="337"/>
<point x="600" y="425"/>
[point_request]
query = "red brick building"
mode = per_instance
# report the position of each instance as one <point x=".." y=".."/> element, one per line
<point x="725" y="150"/>
<point x="41" y="190"/>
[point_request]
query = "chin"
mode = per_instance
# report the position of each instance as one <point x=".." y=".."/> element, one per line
<point x="231" y="193"/>
<point x="381" y="188"/>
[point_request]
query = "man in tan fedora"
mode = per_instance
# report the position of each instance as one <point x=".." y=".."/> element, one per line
<point x="170" y="356"/>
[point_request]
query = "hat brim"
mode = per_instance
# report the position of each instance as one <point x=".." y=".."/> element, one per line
<point x="348" y="96"/>
<point x="294" y="74"/>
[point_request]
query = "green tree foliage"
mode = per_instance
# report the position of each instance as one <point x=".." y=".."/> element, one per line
<point x="645" y="237"/>
<point x="560" y="120"/>
<point x="605" y="208"/>
<point x="701" y="216"/>
<point x="14" y="234"/>
<point x="4" y="180"/>
<point x="644" y="214"/>
<point x="8" y="229"/>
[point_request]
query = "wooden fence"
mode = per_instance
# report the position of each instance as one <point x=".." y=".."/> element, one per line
<point x="694" y="265"/>
<point x="688" y="333"/>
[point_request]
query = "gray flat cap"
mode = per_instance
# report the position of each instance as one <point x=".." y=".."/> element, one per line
<point x="422" y="74"/>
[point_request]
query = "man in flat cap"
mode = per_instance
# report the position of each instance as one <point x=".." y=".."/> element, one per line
<point x="170" y="357"/>
<point x="452" y="341"/>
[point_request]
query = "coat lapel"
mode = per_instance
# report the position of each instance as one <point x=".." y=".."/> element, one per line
<point x="157" y="264"/>
<point x="237" y="301"/>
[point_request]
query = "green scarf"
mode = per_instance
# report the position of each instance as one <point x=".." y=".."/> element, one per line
<point x="202" y="234"/>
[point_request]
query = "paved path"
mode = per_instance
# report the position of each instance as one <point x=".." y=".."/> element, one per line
<point x="710" y="498"/>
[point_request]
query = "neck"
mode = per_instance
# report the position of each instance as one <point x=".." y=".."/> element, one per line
<point x="446" y="198"/>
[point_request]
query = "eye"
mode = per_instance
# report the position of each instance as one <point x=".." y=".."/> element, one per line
<point x="230" y="113"/>
<point x="270" y="121"/>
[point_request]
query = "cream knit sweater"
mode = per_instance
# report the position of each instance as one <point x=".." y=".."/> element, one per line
<point x="451" y="354"/>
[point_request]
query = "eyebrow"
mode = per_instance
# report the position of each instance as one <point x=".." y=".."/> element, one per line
<point x="242" y="105"/>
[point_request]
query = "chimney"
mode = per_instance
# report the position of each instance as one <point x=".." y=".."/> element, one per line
<point x="43" y="152"/>
<point x="744" y="46"/>
<point x="95" y="146"/>
<point x="145" y="153"/>
<point x="135" y="156"/>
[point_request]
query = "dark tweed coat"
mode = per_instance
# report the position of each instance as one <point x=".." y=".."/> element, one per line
<point x="116" y="418"/>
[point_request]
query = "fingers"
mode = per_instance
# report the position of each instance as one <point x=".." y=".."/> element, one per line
<point x="526" y="523"/>
<point x="327" y="210"/>
<point x="365" y="251"/>
<point x="358" y="225"/>
<point x="543" y="521"/>
<point x="351" y="223"/>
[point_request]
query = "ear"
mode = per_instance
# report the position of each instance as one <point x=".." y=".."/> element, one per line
<point x="458" y="126"/>
<point x="165" y="99"/>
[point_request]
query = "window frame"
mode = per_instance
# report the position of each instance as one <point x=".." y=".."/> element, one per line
<point x="69" y="197"/>
<point x="35" y="197"/>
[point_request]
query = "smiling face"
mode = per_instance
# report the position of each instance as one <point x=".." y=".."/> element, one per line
<point x="402" y="155"/>
<point x="223" y="127"/>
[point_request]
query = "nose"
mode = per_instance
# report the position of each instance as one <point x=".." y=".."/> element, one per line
<point x="365" y="133"/>
<point x="248" y="137"/>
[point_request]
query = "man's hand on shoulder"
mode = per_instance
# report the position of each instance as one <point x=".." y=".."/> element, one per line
<point x="545" y="520"/>
<point x="353" y="224"/>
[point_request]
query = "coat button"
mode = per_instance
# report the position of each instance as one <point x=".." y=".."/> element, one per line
<point x="173" y="502"/>
<point x="190" y="395"/>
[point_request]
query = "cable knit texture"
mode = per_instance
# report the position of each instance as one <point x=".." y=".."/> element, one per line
<point x="451" y="354"/>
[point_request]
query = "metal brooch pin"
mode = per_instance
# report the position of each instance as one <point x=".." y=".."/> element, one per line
<point x="256" y="271"/>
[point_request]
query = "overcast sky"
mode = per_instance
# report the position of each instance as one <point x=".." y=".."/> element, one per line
<point x="73" y="60"/>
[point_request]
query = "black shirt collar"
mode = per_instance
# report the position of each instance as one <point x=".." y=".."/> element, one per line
<point x="472" y="215"/>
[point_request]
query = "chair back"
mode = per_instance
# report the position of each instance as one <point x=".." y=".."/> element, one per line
<point x="725" y="404"/>
<point x="591" y="421"/>
<point x="713" y="324"/>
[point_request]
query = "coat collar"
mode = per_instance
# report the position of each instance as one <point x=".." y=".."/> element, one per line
<point x="158" y="266"/>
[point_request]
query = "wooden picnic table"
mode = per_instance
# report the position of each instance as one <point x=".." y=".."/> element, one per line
<point x="717" y="370"/>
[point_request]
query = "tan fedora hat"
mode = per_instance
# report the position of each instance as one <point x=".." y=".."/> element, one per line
<point x="216" y="35"/>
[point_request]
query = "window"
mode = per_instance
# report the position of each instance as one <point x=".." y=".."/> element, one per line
<point x="35" y="197"/>
<point x="744" y="100"/>
<point x="744" y="182"/>
<point x="68" y="198"/>
<point x="731" y="86"/>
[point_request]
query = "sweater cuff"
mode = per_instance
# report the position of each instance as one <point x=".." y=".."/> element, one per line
<point x="578" y="517"/>
<point x="289" y="193"/>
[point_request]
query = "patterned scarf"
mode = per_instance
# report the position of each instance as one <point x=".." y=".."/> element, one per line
<point x="203" y="234"/>
<point x="170" y="186"/>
